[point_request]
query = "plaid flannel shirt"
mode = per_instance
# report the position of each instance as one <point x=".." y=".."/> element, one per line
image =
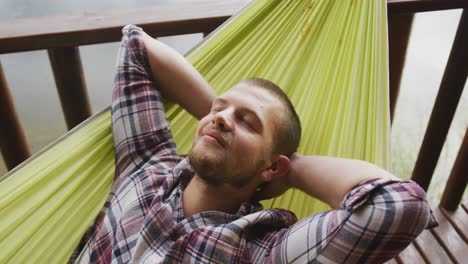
<point x="143" y="220"/>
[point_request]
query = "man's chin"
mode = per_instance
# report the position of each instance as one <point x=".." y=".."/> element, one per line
<point x="207" y="151"/>
<point x="212" y="169"/>
<point x="205" y="162"/>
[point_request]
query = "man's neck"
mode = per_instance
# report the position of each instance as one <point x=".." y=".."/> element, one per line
<point x="199" y="196"/>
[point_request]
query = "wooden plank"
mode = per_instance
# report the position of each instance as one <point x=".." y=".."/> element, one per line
<point x="170" y="18"/>
<point x="13" y="143"/>
<point x="451" y="88"/>
<point x="459" y="221"/>
<point x="410" y="255"/>
<point x="413" y="6"/>
<point x="449" y="239"/>
<point x="430" y="249"/>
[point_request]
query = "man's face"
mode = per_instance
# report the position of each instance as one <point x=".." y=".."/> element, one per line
<point x="233" y="143"/>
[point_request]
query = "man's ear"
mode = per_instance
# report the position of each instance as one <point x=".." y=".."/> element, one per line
<point x="278" y="168"/>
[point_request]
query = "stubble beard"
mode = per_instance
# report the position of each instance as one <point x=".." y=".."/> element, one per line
<point x="214" y="169"/>
<point x="207" y="168"/>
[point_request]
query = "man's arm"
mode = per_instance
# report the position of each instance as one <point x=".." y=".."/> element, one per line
<point x="178" y="80"/>
<point x="146" y="72"/>
<point x="376" y="215"/>
<point x="329" y="179"/>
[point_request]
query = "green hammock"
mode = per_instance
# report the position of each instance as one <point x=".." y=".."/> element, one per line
<point x="330" y="57"/>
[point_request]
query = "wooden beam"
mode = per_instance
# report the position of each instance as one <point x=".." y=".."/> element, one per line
<point x="415" y="6"/>
<point x="13" y="144"/>
<point x="175" y="17"/>
<point x="451" y="88"/>
<point x="459" y="220"/>
<point x="172" y="18"/>
<point x="410" y="255"/>
<point x="430" y="249"/>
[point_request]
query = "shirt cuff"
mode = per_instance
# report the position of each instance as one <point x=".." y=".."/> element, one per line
<point x="364" y="192"/>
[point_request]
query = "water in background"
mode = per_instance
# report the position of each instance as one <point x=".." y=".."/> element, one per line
<point x="30" y="77"/>
<point x="32" y="85"/>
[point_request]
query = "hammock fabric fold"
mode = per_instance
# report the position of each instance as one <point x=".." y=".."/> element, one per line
<point x="329" y="56"/>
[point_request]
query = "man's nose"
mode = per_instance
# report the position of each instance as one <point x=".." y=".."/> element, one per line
<point x="223" y="120"/>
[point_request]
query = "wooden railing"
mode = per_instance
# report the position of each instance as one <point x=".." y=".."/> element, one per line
<point x="61" y="37"/>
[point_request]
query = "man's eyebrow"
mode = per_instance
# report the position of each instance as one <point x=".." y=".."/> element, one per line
<point x="220" y="100"/>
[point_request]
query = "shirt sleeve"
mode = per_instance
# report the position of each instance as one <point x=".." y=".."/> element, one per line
<point x="139" y="125"/>
<point x="375" y="221"/>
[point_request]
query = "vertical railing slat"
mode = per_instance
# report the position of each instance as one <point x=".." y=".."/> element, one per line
<point x="13" y="142"/>
<point x="449" y="94"/>
<point x="71" y="87"/>
<point x="456" y="183"/>
<point x="399" y="29"/>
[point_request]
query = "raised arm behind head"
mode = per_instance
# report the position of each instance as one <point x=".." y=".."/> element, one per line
<point x="178" y="80"/>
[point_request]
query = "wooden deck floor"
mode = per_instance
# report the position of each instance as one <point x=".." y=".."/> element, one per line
<point x="446" y="243"/>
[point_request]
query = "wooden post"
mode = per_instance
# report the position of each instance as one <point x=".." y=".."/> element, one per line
<point x="399" y="29"/>
<point x="13" y="143"/>
<point x="71" y="87"/>
<point x="445" y="105"/>
<point x="458" y="179"/>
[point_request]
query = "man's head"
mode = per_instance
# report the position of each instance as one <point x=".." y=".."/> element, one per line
<point x="247" y="137"/>
<point x="288" y="133"/>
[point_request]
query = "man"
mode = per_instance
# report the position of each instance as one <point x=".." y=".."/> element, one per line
<point x="203" y="209"/>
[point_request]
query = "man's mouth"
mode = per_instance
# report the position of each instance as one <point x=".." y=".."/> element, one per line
<point x="215" y="137"/>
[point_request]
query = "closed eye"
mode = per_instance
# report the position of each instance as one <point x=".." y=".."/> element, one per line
<point x="245" y="120"/>
<point x="244" y="114"/>
<point x="216" y="109"/>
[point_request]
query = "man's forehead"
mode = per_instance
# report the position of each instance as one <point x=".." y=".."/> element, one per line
<point x="246" y="91"/>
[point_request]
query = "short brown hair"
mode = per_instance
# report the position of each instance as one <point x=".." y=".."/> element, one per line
<point x="288" y="133"/>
